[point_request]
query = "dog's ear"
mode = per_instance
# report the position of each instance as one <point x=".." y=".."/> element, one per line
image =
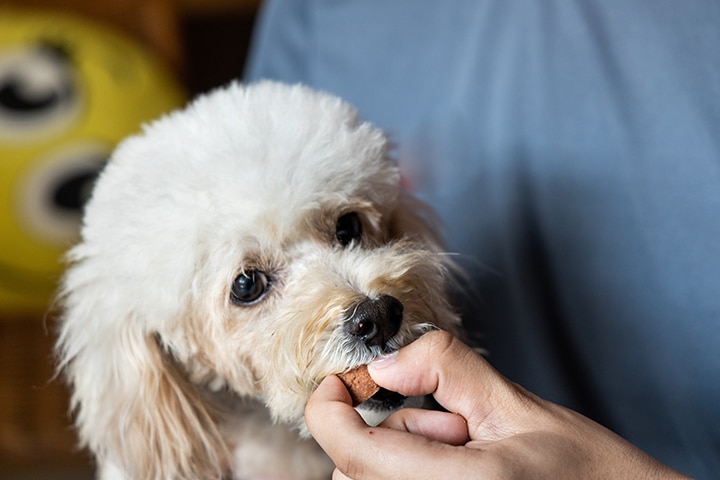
<point x="414" y="220"/>
<point x="132" y="407"/>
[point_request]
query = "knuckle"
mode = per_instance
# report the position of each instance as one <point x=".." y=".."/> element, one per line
<point x="444" y="345"/>
<point x="347" y="467"/>
<point x="440" y="341"/>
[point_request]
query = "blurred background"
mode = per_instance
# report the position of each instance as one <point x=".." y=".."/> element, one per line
<point x="77" y="76"/>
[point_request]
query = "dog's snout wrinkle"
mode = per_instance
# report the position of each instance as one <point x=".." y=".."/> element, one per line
<point x="376" y="320"/>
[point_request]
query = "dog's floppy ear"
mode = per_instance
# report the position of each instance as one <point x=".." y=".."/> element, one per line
<point x="415" y="220"/>
<point x="132" y="407"/>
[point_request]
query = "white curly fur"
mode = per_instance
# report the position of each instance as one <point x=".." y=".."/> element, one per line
<point x="173" y="380"/>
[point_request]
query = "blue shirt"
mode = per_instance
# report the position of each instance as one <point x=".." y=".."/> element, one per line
<point x="572" y="149"/>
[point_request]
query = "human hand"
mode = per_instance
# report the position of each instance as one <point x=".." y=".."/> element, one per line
<point x="493" y="427"/>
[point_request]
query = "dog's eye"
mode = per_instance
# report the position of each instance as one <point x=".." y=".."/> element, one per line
<point x="248" y="287"/>
<point x="348" y="228"/>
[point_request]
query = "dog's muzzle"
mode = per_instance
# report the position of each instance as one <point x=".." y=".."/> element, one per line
<point x="375" y="320"/>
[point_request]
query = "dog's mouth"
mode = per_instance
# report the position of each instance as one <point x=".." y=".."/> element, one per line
<point x="384" y="400"/>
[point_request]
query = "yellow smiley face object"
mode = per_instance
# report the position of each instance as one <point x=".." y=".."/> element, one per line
<point x="69" y="91"/>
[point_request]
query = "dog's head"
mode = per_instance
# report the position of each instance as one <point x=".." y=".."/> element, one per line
<point x="255" y="242"/>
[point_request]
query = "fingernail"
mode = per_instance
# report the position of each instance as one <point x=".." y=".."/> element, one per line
<point x="384" y="360"/>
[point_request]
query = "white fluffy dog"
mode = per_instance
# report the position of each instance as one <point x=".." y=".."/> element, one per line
<point x="232" y="256"/>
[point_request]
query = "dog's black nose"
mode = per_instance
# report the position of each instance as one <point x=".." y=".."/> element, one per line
<point x="376" y="320"/>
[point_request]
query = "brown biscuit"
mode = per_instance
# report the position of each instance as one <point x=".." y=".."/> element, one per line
<point x="359" y="383"/>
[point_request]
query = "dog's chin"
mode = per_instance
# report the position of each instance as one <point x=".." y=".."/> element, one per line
<point x="384" y="401"/>
<point x="381" y="405"/>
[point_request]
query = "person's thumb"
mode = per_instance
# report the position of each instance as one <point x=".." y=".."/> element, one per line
<point x="441" y="365"/>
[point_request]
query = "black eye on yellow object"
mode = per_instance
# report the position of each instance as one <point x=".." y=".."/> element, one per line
<point x="39" y="91"/>
<point x="26" y="93"/>
<point x="249" y="287"/>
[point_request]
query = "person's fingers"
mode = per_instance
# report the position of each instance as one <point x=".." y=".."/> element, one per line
<point x="338" y="475"/>
<point x="360" y="451"/>
<point x="445" y="427"/>
<point x="331" y="400"/>
<point x="512" y="433"/>
<point x="459" y="379"/>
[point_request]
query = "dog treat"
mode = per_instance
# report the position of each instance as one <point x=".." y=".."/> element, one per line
<point x="359" y="383"/>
